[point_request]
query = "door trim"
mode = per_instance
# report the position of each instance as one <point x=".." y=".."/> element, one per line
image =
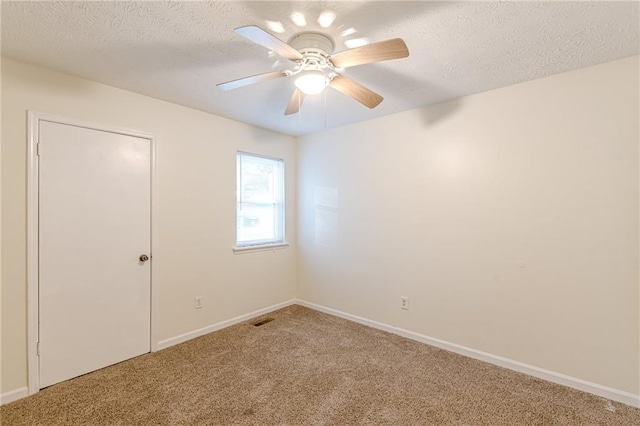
<point x="33" y="120"/>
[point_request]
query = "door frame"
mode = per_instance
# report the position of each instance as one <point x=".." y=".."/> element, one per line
<point x="33" y="174"/>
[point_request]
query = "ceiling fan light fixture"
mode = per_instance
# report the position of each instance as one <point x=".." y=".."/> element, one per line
<point x="311" y="82"/>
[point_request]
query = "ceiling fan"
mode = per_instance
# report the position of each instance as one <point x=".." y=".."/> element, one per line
<point x="317" y="66"/>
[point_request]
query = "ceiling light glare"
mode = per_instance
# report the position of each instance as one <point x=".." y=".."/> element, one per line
<point x="326" y="19"/>
<point x="298" y="19"/>
<point x="311" y="82"/>
<point x="275" y="26"/>
<point x="348" y="32"/>
<point x="356" y="42"/>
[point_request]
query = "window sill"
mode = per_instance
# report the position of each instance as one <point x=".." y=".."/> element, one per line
<point x="264" y="247"/>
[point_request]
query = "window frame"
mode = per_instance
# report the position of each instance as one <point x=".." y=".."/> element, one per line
<point x="279" y="207"/>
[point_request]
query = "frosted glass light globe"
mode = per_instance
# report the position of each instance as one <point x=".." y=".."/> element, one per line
<point x="311" y="82"/>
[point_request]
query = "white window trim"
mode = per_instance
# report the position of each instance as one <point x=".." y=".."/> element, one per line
<point x="261" y="247"/>
<point x="255" y="246"/>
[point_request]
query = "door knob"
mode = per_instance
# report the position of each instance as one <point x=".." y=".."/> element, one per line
<point x="144" y="258"/>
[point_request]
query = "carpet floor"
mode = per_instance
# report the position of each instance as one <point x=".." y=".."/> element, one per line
<point x="309" y="368"/>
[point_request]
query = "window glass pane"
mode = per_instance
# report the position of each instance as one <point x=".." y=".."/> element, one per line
<point x="256" y="223"/>
<point x="258" y="179"/>
<point x="260" y="212"/>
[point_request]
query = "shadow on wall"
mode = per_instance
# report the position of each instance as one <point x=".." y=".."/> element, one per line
<point x="434" y="113"/>
<point x="440" y="103"/>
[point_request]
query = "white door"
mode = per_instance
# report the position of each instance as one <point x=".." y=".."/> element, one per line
<point x="94" y="224"/>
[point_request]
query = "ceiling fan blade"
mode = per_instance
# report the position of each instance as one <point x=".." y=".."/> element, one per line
<point x="263" y="38"/>
<point x="295" y="102"/>
<point x="241" y="82"/>
<point x="376" y="52"/>
<point x="356" y="90"/>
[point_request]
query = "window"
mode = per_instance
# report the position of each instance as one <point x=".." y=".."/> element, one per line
<point x="260" y="193"/>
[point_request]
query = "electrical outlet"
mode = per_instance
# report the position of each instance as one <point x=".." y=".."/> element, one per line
<point x="404" y="303"/>
<point x="198" y="302"/>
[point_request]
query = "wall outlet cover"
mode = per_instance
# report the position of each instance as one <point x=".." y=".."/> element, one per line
<point x="404" y="303"/>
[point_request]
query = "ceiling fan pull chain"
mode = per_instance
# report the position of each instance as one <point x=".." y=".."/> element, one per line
<point x="325" y="110"/>
<point x="299" y="115"/>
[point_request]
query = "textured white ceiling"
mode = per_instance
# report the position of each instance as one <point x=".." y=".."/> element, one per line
<point x="179" y="50"/>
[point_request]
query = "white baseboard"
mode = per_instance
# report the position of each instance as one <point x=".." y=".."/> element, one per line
<point x="163" y="344"/>
<point x="14" y="395"/>
<point x="541" y="373"/>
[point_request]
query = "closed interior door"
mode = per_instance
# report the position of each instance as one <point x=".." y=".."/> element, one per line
<point x="94" y="226"/>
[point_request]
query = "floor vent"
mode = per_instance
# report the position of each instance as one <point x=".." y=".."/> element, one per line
<point x="261" y="322"/>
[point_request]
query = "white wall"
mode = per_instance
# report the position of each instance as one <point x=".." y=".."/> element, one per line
<point x="509" y="218"/>
<point x="196" y="176"/>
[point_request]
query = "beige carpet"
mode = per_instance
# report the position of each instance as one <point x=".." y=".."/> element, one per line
<point x="309" y="368"/>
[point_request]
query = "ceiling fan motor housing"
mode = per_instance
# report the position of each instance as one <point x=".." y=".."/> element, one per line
<point x="310" y="42"/>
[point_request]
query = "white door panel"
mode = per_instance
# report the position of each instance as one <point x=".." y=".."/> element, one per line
<point x="94" y="223"/>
